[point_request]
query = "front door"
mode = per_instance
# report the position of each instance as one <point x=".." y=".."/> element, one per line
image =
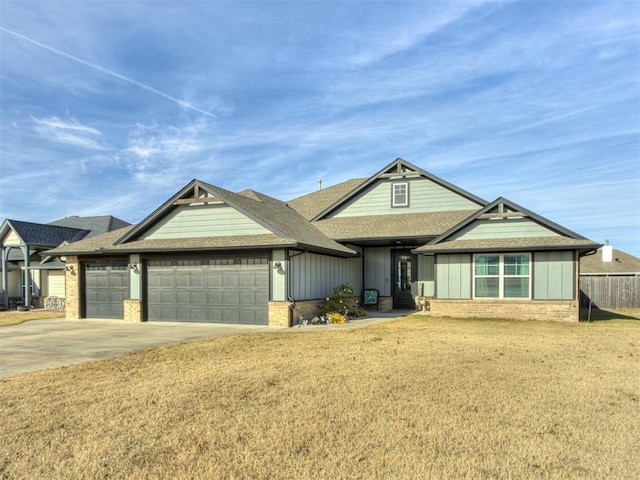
<point x="402" y="298"/>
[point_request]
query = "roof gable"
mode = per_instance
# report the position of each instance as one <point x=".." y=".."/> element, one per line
<point x="263" y="220"/>
<point x="41" y="235"/>
<point x="503" y="224"/>
<point x="434" y="194"/>
<point x="197" y="210"/>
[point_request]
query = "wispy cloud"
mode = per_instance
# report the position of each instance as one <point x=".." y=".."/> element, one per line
<point x="70" y="132"/>
<point x="109" y="72"/>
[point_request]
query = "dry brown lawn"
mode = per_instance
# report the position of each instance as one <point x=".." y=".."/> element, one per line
<point x="12" y="317"/>
<point x="412" y="398"/>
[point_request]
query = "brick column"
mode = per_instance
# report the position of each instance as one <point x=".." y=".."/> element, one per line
<point x="279" y="314"/>
<point x="132" y="311"/>
<point x="72" y="288"/>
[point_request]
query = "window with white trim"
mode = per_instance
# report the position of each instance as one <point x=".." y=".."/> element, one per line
<point x="502" y="275"/>
<point x="400" y="196"/>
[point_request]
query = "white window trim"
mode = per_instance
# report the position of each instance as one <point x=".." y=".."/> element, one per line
<point x="501" y="276"/>
<point x="393" y="194"/>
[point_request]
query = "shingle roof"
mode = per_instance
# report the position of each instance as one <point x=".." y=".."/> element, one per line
<point x="391" y="226"/>
<point x="622" y="263"/>
<point x="509" y="244"/>
<point x="41" y="235"/>
<point x="95" y="225"/>
<point x="312" y="204"/>
<point x="289" y="227"/>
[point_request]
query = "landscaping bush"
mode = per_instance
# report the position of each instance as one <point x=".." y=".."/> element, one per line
<point x="342" y="301"/>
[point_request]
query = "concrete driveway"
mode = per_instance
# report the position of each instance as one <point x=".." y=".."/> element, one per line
<point x="42" y="344"/>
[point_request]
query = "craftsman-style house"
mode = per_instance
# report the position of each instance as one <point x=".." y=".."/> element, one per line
<point x="208" y="254"/>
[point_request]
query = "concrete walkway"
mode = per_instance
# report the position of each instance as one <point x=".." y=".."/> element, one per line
<point x="42" y="344"/>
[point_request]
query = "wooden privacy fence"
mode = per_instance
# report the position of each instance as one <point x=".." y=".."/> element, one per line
<point x="610" y="291"/>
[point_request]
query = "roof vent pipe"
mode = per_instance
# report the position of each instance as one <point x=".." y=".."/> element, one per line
<point x="319" y="184"/>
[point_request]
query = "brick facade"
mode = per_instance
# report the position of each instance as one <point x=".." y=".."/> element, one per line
<point x="133" y="311"/>
<point x="279" y="314"/>
<point x="72" y="288"/>
<point x="558" y="310"/>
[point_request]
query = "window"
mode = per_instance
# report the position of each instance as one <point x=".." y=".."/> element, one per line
<point x="502" y="276"/>
<point x="400" y="196"/>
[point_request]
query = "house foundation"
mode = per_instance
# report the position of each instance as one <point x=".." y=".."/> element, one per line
<point x="567" y="311"/>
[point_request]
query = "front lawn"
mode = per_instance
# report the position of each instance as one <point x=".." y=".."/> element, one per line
<point x="416" y="397"/>
<point x="13" y="317"/>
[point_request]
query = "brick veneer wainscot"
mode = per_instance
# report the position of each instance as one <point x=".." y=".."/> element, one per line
<point x="72" y="288"/>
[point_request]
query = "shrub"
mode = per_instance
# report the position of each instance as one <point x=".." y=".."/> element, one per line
<point x="342" y="301"/>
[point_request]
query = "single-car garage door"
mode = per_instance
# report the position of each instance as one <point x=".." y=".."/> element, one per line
<point x="106" y="288"/>
<point x="225" y="290"/>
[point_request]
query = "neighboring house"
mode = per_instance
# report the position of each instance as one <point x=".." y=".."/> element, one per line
<point x="610" y="279"/>
<point x="28" y="274"/>
<point x="208" y="254"/>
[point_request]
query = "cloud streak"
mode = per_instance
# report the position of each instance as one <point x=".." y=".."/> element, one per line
<point x="110" y="73"/>
<point x="70" y="133"/>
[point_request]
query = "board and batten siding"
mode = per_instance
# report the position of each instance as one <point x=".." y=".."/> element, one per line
<point x="424" y="196"/>
<point x="426" y="275"/>
<point x="217" y="220"/>
<point x="503" y="228"/>
<point x="313" y="276"/>
<point x="453" y="276"/>
<point x="377" y="269"/>
<point x="554" y="276"/>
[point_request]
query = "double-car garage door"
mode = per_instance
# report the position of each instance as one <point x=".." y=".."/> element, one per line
<point x="233" y="289"/>
<point x="225" y="290"/>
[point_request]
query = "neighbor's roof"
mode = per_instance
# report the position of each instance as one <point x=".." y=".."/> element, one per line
<point x="312" y="204"/>
<point x="509" y="244"/>
<point x="622" y="263"/>
<point x="95" y="225"/>
<point x="41" y="235"/>
<point x="396" y="226"/>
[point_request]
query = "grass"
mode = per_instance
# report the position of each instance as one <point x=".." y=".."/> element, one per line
<point x="12" y="317"/>
<point x="411" y="398"/>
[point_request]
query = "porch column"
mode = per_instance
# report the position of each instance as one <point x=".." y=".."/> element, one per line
<point x="5" y="276"/>
<point x="27" y="276"/>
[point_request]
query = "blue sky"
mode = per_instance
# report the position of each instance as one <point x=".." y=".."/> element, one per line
<point x="110" y="107"/>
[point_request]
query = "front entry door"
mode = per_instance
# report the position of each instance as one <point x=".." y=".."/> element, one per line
<point x="402" y="298"/>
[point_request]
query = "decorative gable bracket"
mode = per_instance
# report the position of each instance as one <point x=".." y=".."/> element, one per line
<point x="197" y="197"/>
<point x="502" y="212"/>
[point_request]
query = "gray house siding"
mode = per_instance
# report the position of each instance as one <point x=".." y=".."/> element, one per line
<point x="453" y="276"/>
<point x="314" y="276"/>
<point x="426" y="275"/>
<point x="503" y="228"/>
<point x="553" y="276"/>
<point x="424" y="196"/>
<point x="377" y="269"/>
<point x="205" y="221"/>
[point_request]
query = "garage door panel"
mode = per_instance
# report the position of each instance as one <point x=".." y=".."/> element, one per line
<point x="214" y="297"/>
<point x="214" y="279"/>
<point x="226" y="290"/>
<point x="230" y="298"/>
<point x="106" y="287"/>
<point x="230" y="280"/>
